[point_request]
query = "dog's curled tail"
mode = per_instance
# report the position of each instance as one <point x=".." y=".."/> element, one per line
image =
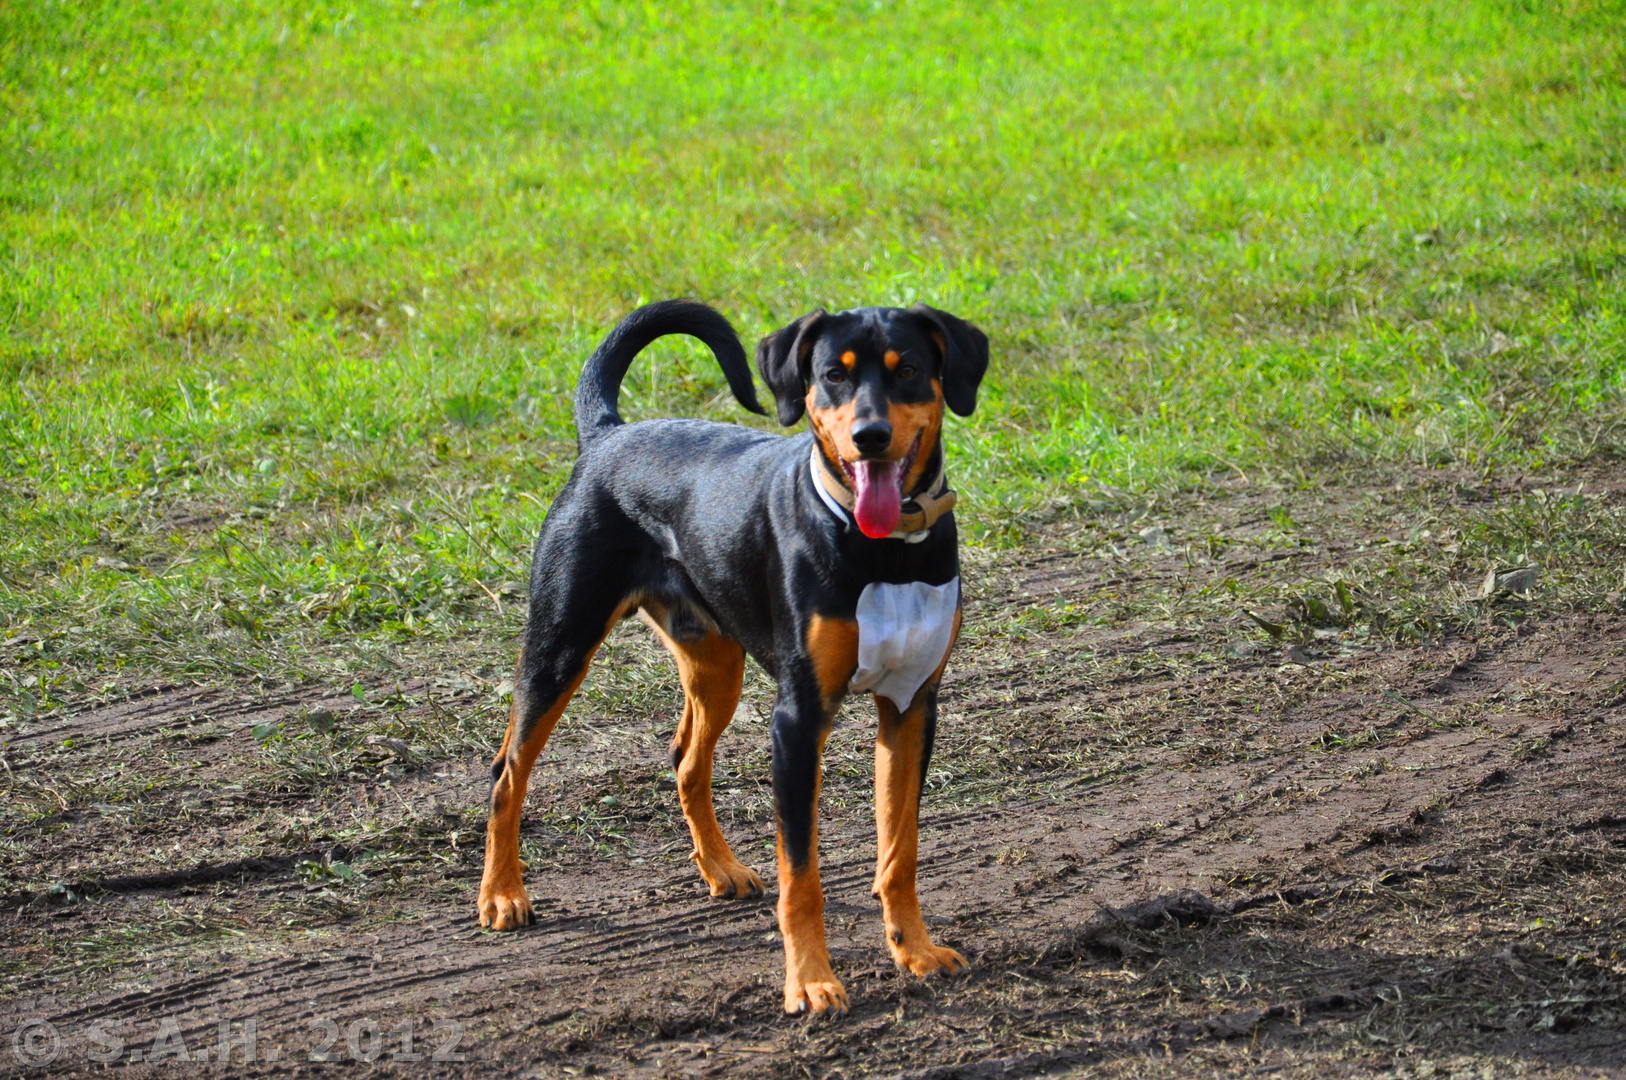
<point x="600" y="387"/>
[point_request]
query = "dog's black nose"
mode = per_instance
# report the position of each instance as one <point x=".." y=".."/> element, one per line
<point x="872" y="436"/>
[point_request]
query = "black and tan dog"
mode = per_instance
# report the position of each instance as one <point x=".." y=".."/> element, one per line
<point x="717" y="535"/>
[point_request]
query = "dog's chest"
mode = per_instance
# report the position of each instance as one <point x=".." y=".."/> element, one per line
<point x="904" y="632"/>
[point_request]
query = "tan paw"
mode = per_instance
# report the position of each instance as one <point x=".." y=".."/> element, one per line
<point x="929" y="959"/>
<point x="505" y="907"/>
<point x="816" y="997"/>
<point x="728" y="878"/>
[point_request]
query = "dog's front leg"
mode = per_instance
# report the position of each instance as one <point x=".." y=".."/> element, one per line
<point x="799" y="732"/>
<point x="903" y="748"/>
<point x="808" y="699"/>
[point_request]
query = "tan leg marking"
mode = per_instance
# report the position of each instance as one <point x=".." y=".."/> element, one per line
<point x="832" y="645"/>
<point x="899" y="745"/>
<point x="711" y="671"/>
<point x="810" y="982"/>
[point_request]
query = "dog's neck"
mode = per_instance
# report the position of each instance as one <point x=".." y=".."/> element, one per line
<point x="920" y="512"/>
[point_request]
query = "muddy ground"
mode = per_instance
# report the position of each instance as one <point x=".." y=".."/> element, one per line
<point x="1196" y="809"/>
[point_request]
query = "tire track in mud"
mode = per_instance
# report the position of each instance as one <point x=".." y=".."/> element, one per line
<point x="126" y="718"/>
<point x="149" y="712"/>
<point x="1433" y="768"/>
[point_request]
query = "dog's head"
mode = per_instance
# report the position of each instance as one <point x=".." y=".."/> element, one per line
<point x="873" y="383"/>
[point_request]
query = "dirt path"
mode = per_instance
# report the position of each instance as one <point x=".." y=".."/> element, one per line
<point x="1416" y="856"/>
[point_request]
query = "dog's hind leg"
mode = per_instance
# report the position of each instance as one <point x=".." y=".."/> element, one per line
<point x="565" y="628"/>
<point x="711" y="667"/>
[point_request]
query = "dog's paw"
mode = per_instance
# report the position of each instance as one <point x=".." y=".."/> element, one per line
<point x="929" y="959"/>
<point x="728" y="878"/>
<point x="505" y="907"/>
<point x="816" y="997"/>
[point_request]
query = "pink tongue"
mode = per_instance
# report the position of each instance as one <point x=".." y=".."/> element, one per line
<point x="879" y="503"/>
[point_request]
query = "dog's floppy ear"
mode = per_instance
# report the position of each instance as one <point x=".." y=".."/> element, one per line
<point x="782" y="358"/>
<point x="965" y="356"/>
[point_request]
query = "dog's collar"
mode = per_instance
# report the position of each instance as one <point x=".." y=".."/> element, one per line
<point x="919" y="513"/>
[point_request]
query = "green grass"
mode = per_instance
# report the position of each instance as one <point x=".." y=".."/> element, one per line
<point x="292" y="299"/>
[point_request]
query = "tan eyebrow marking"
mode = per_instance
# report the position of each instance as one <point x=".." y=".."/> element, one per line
<point x="891" y="358"/>
<point x="848" y="359"/>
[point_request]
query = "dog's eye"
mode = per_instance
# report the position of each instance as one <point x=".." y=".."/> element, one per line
<point x="835" y="374"/>
<point x="906" y="371"/>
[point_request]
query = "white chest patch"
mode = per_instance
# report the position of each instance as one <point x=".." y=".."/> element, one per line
<point x="904" y="632"/>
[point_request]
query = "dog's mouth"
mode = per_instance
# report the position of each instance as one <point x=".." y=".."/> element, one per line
<point x="878" y="488"/>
